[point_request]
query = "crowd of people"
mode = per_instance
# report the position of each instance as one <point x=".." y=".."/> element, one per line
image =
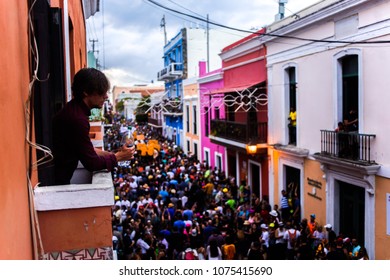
<point x="170" y="206"/>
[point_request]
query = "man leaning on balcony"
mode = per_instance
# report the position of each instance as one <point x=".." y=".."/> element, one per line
<point x="71" y="142"/>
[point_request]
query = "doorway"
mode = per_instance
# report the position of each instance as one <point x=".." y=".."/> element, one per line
<point x="232" y="166"/>
<point x="254" y="178"/>
<point x="293" y="189"/>
<point x="352" y="209"/>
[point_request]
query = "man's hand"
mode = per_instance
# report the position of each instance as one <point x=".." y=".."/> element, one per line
<point x="125" y="153"/>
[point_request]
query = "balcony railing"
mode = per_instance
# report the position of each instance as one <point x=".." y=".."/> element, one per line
<point x="155" y="122"/>
<point x="347" y="145"/>
<point x="240" y="132"/>
<point x="172" y="106"/>
<point x="172" y="71"/>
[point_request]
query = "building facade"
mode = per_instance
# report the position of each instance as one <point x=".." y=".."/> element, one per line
<point x="181" y="56"/>
<point x="210" y="109"/>
<point x="191" y="117"/>
<point x="59" y="38"/>
<point x="244" y="119"/>
<point x="329" y="69"/>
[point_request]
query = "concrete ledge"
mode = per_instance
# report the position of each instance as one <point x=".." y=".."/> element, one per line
<point x="98" y="194"/>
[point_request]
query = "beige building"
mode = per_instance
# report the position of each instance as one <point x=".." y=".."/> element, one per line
<point x="132" y="95"/>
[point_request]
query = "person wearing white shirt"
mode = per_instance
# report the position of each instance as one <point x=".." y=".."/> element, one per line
<point x="290" y="234"/>
<point x="143" y="245"/>
<point x="264" y="235"/>
<point x="125" y="202"/>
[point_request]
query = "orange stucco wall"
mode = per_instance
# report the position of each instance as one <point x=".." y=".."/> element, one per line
<point x="314" y="204"/>
<point x="311" y="173"/>
<point x="76" y="228"/>
<point x="382" y="240"/>
<point x="15" y="236"/>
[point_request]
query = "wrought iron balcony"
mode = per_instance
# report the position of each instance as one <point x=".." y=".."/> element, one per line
<point x="239" y="132"/>
<point x="172" y="106"/>
<point x="350" y="146"/>
<point x="172" y="71"/>
<point x="155" y="122"/>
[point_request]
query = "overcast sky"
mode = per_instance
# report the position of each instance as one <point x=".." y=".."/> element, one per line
<point x="131" y="41"/>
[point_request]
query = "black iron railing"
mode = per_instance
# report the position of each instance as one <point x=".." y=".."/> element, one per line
<point x="240" y="132"/>
<point x="156" y="122"/>
<point x="347" y="145"/>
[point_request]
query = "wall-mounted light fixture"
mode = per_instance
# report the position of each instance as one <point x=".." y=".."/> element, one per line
<point x="251" y="148"/>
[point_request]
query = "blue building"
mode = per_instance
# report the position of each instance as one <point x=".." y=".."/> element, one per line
<point x="181" y="62"/>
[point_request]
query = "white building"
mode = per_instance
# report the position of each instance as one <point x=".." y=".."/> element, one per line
<point x="326" y="67"/>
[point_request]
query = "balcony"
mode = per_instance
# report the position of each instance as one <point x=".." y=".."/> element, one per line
<point x="75" y="219"/>
<point x="170" y="72"/>
<point x="172" y="106"/>
<point x="155" y="122"/>
<point x="347" y="146"/>
<point x="239" y="132"/>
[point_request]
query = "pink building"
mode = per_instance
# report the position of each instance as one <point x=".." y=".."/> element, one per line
<point x="211" y="107"/>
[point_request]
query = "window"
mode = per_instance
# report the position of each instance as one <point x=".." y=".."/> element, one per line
<point x="231" y="114"/>
<point x="195" y="119"/>
<point x="188" y="146"/>
<point x="206" y="121"/>
<point x="180" y="90"/>
<point x="174" y="90"/>
<point x="174" y="136"/>
<point x="292" y="87"/>
<point x="50" y="96"/>
<point x="207" y="157"/>
<point x="292" y="103"/>
<point x="196" y="150"/>
<point x="218" y="162"/>
<point x="350" y="88"/>
<point x="188" y="117"/>
<point x="216" y="113"/>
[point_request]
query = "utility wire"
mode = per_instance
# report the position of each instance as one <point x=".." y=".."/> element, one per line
<point x="187" y="9"/>
<point x="270" y="34"/>
<point x="186" y="19"/>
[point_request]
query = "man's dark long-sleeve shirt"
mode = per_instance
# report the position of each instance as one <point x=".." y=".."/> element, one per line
<point x="71" y="143"/>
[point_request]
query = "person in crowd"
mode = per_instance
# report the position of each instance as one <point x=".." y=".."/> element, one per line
<point x="285" y="207"/>
<point x="213" y="251"/>
<point x="155" y="222"/>
<point x="330" y="235"/>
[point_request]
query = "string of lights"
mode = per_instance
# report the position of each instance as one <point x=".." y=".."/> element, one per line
<point x="240" y="100"/>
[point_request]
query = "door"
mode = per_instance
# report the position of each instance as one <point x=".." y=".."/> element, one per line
<point x="293" y="189"/>
<point x="255" y="179"/>
<point x="352" y="204"/>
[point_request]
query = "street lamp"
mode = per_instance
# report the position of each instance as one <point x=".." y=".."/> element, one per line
<point x="251" y="148"/>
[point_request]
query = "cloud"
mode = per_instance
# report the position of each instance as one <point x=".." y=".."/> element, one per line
<point x="132" y="43"/>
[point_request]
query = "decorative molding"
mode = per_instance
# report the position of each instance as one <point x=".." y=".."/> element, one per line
<point x="246" y="62"/>
<point x="318" y="13"/>
<point x="250" y="46"/>
<point x="370" y="180"/>
<point x="292" y="150"/>
<point x="211" y="78"/>
<point x="104" y="253"/>
<point x="364" y="34"/>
